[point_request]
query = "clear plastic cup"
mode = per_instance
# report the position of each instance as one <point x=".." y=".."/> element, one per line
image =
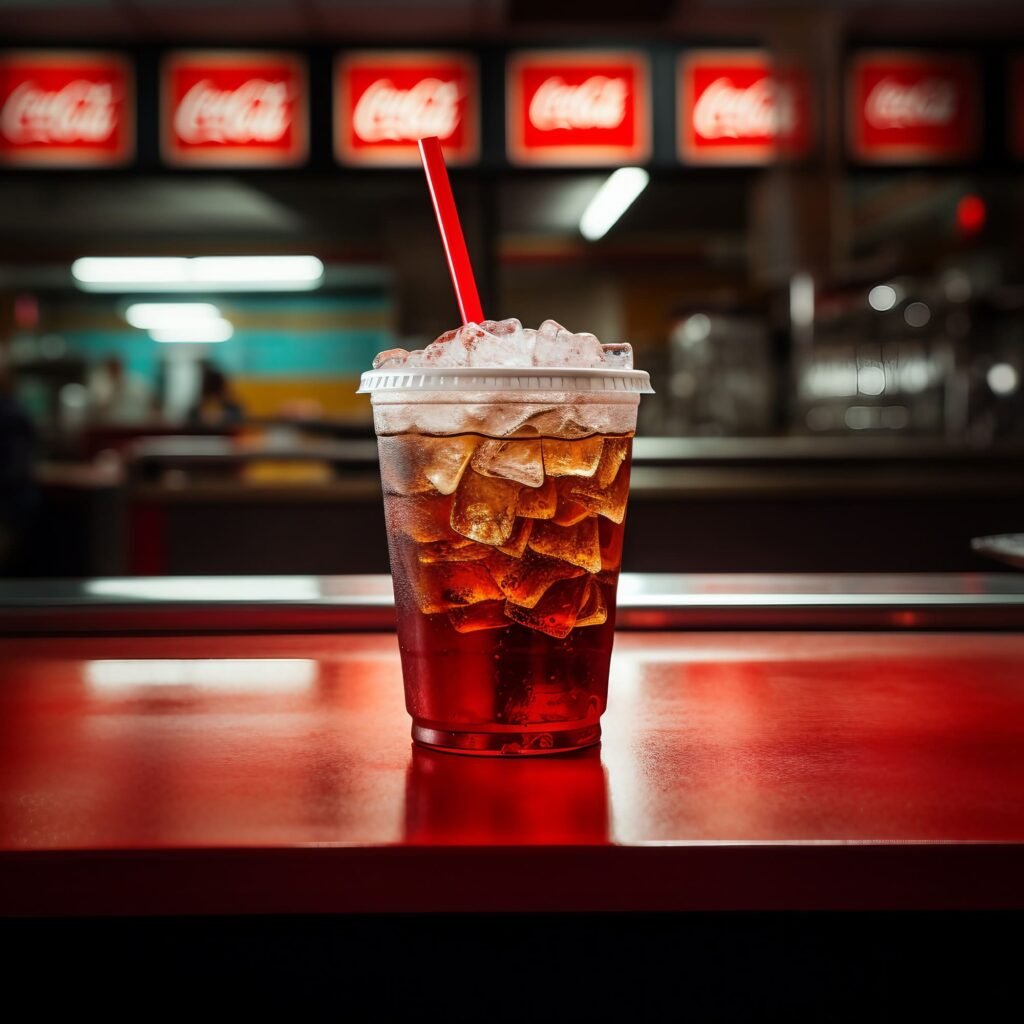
<point x="505" y="495"/>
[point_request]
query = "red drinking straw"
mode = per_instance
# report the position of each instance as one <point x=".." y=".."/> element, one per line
<point x="451" y="231"/>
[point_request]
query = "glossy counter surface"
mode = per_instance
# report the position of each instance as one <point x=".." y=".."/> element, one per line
<point x="274" y="774"/>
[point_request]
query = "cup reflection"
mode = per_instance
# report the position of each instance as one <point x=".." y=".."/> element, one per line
<point x="471" y="800"/>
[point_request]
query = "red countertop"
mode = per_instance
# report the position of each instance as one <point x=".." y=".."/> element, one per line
<point x="274" y="774"/>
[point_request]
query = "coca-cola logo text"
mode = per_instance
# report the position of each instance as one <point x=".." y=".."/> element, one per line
<point x="257" y="111"/>
<point x="917" y="106"/>
<point x="385" y="112"/>
<point x="765" y="109"/>
<point x="80" y="112"/>
<point x="597" y="102"/>
<point x="577" y="107"/>
<point x="894" y="104"/>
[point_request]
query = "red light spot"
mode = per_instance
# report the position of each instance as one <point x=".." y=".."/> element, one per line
<point x="26" y="312"/>
<point x="970" y="214"/>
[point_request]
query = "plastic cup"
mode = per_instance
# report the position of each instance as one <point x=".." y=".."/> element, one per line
<point x="505" y="495"/>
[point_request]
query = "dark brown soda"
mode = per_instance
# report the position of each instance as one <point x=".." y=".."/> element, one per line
<point x="505" y="589"/>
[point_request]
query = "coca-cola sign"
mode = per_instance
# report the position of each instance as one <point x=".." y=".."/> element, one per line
<point x="386" y="100"/>
<point x="910" y="106"/>
<point x="578" y="107"/>
<point x="741" y="107"/>
<point x="68" y="108"/>
<point x="234" y="109"/>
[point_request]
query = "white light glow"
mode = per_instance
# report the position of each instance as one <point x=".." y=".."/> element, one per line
<point x="225" y="674"/>
<point x="197" y="273"/>
<point x="696" y="328"/>
<point x="612" y="200"/>
<point x="917" y="314"/>
<point x="205" y="332"/>
<point x="801" y="300"/>
<point x="882" y="297"/>
<point x="159" y="315"/>
<point x="1002" y="378"/>
<point x="206" y="588"/>
<point x="870" y="380"/>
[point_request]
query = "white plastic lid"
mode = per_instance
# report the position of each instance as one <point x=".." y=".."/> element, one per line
<point x="510" y="378"/>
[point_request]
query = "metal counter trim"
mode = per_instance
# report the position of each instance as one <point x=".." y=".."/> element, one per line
<point x="293" y="604"/>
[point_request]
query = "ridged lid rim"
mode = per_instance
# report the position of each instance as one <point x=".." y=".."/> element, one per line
<point x="510" y="378"/>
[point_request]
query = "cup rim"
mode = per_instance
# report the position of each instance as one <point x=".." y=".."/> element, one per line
<point x="506" y="378"/>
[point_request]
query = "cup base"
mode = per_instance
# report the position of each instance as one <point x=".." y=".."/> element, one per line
<point x="508" y="743"/>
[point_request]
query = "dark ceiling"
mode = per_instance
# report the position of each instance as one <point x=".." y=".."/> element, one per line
<point x="434" y="20"/>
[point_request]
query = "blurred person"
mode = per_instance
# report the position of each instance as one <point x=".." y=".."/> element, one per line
<point x="118" y="396"/>
<point x="216" y="405"/>
<point x="17" y="483"/>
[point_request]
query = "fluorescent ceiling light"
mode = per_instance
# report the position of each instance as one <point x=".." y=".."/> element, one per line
<point x="197" y="273"/>
<point x="158" y="315"/>
<point x="206" y="332"/>
<point x="612" y="200"/>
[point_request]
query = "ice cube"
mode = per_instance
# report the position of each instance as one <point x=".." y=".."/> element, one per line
<point x="475" y="617"/>
<point x="577" y="545"/>
<point x="447" y="350"/>
<point x="492" y="343"/>
<point x="401" y="470"/>
<point x="425" y="518"/>
<point x="557" y="346"/>
<point x="612" y="456"/>
<point x="610" y="501"/>
<point x="511" y="329"/>
<point x="520" y="537"/>
<point x="538" y="502"/>
<point x="446" y="461"/>
<point x="390" y="359"/>
<point x="442" y="587"/>
<point x="585" y="350"/>
<point x="548" y="349"/>
<point x="411" y="464"/>
<point x="525" y="580"/>
<point x="572" y="458"/>
<point x="569" y="511"/>
<point x="616" y="357"/>
<point x="593" y="611"/>
<point x="519" y="460"/>
<point x="484" y="508"/>
<point x="555" y="613"/>
<point x="458" y="550"/>
<point x="611" y="536"/>
<point x="552" y="700"/>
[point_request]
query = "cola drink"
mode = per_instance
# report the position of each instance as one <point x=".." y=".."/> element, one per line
<point x="505" y="461"/>
<point x="505" y="554"/>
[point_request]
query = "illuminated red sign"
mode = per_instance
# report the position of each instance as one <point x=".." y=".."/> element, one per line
<point x="66" y="107"/>
<point x="234" y="109"/>
<point x="388" y="99"/>
<point x="739" y="107"/>
<point x="578" y="107"/>
<point x="1016" y="106"/>
<point x="911" y="106"/>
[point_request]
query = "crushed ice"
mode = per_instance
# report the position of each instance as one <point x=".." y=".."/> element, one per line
<point x="506" y="343"/>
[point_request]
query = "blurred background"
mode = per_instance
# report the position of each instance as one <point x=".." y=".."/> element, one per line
<point x="823" y="271"/>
